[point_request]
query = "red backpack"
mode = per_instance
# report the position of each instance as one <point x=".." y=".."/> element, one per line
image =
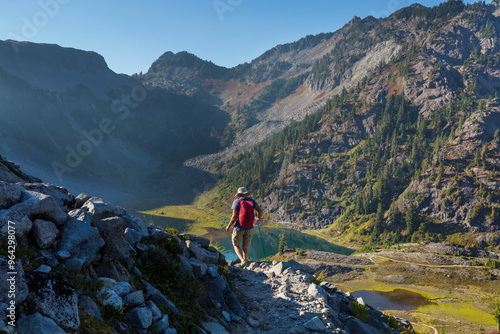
<point x="246" y="214"/>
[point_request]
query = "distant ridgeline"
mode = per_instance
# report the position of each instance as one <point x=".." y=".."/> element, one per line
<point x="410" y="153"/>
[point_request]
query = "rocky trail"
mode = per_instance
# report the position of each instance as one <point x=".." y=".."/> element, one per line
<point x="281" y="297"/>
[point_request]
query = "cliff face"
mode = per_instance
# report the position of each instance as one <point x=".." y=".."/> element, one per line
<point x="419" y="131"/>
<point x="80" y="264"/>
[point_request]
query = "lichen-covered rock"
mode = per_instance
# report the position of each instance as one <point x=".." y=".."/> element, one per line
<point x="111" y="230"/>
<point x="54" y="298"/>
<point x="59" y="194"/>
<point x="136" y="224"/>
<point x="10" y="194"/>
<point x="36" y="323"/>
<point x="139" y="317"/>
<point x="133" y="299"/>
<point x="121" y="288"/>
<point x="80" y="240"/>
<point x="10" y="282"/>
<point x="101" y="209"/>
<point x="19" y="222"/>
<point x="202" y="254"/>
<point x="34" y="204"/>
<point x="109" y="297"/>
<point x="81" y="215"/>
<point x="44" y="233"/>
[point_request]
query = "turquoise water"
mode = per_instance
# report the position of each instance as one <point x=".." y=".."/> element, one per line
<point x="270" y="236"/>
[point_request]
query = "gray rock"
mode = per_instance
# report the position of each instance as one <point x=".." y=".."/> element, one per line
<point x="186" y="265"/>
<point x="81" y="199"/>
<point x="35" y="204"/>
<point x="88" y="305"/>
<point x="21" y="222"/>
<point x="136" y="224"/>
<point x="113" y="269"/>
<point x="81" y="215"/>
<point x="158" y="234"/>
<point x="80" y="240"/>
<point x="214" y="327"/>
<point x="108" y="297"/>
<point x="316" y="325"/>
<point x="317" y="293"/>
<point x="18" y="283"/>
<point x="152" y="293"/>
<point x="122" y="288"/>
<point x="155" y="311"/>
<point x="226" y="316"/>
<point x="36" y="323"/>
<point x="294" y="265"/>
<point x="59" y="194"/>
<point x="7" y="176"/>
<point x="219" y="291"/>
<point x="44" y="269"/>
<point x="111" y="230"/>
<point x="134" y="299"/>
<point x="354" y="325"/>
<point x="328" y="287"/>
<point x="162" y="325"/>
<point x="253" y="323"/>
<point x="171" y="331"/>
<point x="10" y="194"/>
<point x="101" y="209"/>
<point x="74" y="264"/>
<point x="54" y="298"/>
<point x="44" y="233"/>
<point x="139" y="317"/>
<point x="132" y="236"/>
<point x="63" y="255"/>
<point x="51" y="259"/>
<point x="199" y="268"/>
<point x="204" y="242"/>
<point x="201" y="253"/>
<point x="213" y="272"/>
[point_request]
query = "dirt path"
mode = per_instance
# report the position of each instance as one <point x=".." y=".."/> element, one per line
<point x="370" y="257"/>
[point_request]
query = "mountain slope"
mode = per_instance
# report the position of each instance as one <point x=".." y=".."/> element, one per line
<point x="408" y="153"/>
<point x="68" y="117"/>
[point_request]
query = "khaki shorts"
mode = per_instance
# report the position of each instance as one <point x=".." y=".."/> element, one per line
<point x="245" y="235"/>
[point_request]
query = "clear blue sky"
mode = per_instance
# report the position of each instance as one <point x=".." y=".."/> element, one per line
<point x="131" y="34"/>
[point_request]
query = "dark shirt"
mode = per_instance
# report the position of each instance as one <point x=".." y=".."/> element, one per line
<point x="236" y="206"/>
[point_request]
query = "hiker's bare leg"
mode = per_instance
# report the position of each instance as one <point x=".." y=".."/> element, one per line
<point x="238" y="252"/>
<point x="245" y="253"/>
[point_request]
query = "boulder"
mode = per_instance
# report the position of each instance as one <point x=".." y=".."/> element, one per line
<point x="186" y="265"/>
<point x="133" y="237"/>
<point x="354" y="325"/>
<point x="108" y="297"/>
<point x="37" y="205"/>
<point x="81" y="215"/>
<point x="54" y="298"/>
<point x="90" y="307"/>
<point x="156" y="296"/>
<point x="10" y="194"/>
<point x="162" y="325"/>
<point x="202" y="254"/>
<point x="19" y="284"/>
<point x="137" y="224"/>
<point x="44" y="269"/>
<point x="81" y="199"/>
<point x="101" y="209"/>
<point x="114" y="270"/>
<point x="294" y="265"/>
<point x="44" y="233"/>
<point x="155" y="311"/>
<point x="199" y="268"/>
<point x="111" y="229"/>
<point x="36" y="323"/>
<point x="59" y="194"/>
<point x="107" y="282"/>
<point x="316" y="325"/>
<point x="8" y="176"/>
<point x="134" y="299"/>
<point x="19" y="221"/>
<point x="204" y="242"/>
<point x="158" y="234"/>
<point x="122" y="288"/>
<point x="139" y="317"/>
<point x="317" y="293"/>
<point x="80" y="240"/>
<point x="214" y="327"/>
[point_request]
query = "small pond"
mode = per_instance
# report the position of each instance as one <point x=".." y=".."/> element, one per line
<point x="398" y="299"/>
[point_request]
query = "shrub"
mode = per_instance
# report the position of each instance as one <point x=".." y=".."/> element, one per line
<point x="320" y="277"/>
<point x="360" y="311"/>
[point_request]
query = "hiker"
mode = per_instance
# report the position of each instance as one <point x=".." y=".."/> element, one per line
<point x="243" y="218"/>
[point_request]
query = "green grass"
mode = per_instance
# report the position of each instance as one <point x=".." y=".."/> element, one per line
<point x="462" y="311"/>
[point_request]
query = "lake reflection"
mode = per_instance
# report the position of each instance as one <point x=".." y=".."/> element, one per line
<point x="399" y="299"/>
